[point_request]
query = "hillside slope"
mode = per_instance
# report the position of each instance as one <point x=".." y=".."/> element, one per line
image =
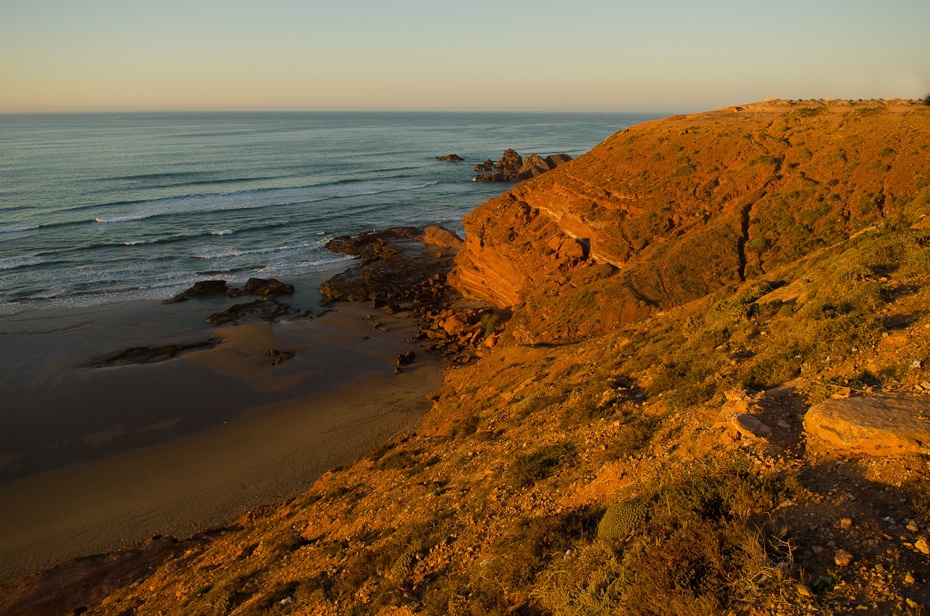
<point x="640" y="441"/>
<point x="668" y="211"/>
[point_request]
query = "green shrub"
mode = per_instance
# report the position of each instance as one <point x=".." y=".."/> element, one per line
<point x="489" y="323"/>
<point x="621" y="519"/>
<point x="527" y="469"/>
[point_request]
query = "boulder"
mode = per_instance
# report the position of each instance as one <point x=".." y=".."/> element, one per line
<point x="204" y="288"/>
<point x="879" y="425"/>
<point x="533" y="165"/>
<point x="452" y="158"/>
<point x="514" y="168"/>
<point x="554" y="160"/>
<point x="266" y="288"/>
<point x="257" y="310"/>
<point x="456" y="324"/>
<point x="440" y="236"/>
<point x="572" y="249"/>
<point x="749" y="426"/>
<point x="405" y="359"/>
<point x="509" y="161"/>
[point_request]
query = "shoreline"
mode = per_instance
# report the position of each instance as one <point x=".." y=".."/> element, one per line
<point x="336" y="400"/>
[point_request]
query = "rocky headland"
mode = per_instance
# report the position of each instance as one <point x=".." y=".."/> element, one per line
<point x="511" y="167"/>
<point x="707" y="394"/>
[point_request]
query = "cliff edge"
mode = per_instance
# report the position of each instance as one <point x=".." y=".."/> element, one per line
<point x="668" y="211"/>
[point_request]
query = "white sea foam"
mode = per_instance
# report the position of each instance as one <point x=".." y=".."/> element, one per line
<point x="18" y="229"/>
<point x="225" y="253"/>
<point x="16" y="262"/>
<point x="223" y="232"/>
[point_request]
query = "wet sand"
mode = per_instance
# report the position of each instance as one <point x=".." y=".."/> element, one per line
<point x="265" y="434"/>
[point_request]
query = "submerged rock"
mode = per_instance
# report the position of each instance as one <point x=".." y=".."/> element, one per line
<point x="266" y="288"/>
<point x="257" y="310"/>
<point x="279" y="357"/>
<point x="150" y="355"/>
<point x="204" y="288"/>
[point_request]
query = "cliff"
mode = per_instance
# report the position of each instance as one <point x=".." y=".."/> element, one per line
<point x="665" y="212"/>
<point x="712" y="397"/>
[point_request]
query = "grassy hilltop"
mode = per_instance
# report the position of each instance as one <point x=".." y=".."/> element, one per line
<point x="639" y="440"/>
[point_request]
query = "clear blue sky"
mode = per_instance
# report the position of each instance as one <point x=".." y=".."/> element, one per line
<point x="661" y="55"/>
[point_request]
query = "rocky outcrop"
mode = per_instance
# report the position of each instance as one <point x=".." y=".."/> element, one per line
<point x="879" y="425"/>
<point x="396" y="266"/>
<point x="451" y="158"/>
<point x="401" y="266"/>
<point x="256" y="310"/>
<point x="514" y="168"/>
<point x="204" y="288"/>
<point x="435" y="235"/>
<point x="266" y="288"/>
<point x="668" y="211"/>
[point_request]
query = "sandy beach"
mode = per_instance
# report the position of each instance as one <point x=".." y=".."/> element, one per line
<point x="241" y="433"/>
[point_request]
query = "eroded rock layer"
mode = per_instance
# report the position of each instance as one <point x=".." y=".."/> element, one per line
<point x="668" y="211"/>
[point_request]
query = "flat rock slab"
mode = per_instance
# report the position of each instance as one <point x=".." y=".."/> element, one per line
<point x="880" y="425"/>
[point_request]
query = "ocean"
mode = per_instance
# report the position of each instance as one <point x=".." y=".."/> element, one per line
<point x="103" y="208"/>
<point x="103" y="216"/>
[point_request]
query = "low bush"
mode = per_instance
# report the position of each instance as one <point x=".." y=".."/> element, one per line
<point x="529" y="468"/>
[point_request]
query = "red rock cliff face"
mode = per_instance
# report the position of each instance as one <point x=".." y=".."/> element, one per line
<point x="668" y="211"/>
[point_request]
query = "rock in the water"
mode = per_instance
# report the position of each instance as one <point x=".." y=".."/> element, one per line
<point x="452" y="158"/>
<point x="204" y="288"/>
<point x="150" y="355"/>
<point x="879" y="425"/>
<point x="258" y="310"/>
<point x="514" y="168"/>
<point x="265" y="288"/>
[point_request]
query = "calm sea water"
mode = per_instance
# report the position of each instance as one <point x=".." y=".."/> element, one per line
<point x="100" y="208"/>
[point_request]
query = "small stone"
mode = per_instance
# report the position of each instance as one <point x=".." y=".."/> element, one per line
<point x="921" y="544"/>
<point x="842" y="558"/>
<point x="912" y="526"/>
<point x="911" y="603"/>
<point x="804" y="591"/>
<point x="842" y="393"/>
<point x="846" y="523"/>
<point x="817" y="549"/>
<point x="926" y="385"/>
<point x="784" y="425"/>
<point x="749" y="426"/>
<point x="287" y="600"/>
<point x="909" y="579"/>
<point x="916" y="364"/>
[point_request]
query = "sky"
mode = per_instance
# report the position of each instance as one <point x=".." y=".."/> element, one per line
<point x="619" y="55"/>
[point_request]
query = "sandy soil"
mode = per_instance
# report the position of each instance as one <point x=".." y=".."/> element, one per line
<point x="334" y="401"/>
